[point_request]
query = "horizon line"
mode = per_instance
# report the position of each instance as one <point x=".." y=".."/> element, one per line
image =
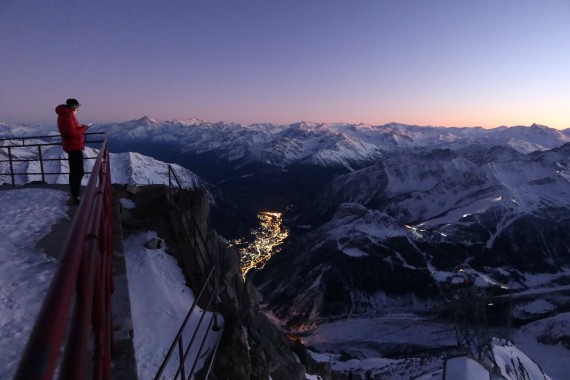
<point x="204" y="121"/>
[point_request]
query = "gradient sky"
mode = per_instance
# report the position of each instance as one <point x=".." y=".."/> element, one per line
<point x="452" y="63"/>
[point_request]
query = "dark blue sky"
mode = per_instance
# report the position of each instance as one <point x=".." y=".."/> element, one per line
<point x="452" y="63"/>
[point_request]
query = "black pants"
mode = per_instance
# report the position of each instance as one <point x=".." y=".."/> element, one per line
<point x="76" y="172"/>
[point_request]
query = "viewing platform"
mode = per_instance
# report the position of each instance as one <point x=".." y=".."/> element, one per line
<point x="68" y="301"/>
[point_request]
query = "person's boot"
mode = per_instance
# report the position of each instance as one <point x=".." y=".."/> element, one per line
<point x="73" y="201"/>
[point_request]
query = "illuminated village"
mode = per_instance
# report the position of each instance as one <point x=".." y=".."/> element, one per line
<point x="267" y="238"/>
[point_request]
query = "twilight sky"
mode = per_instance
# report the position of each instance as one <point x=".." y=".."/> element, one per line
<point x="452" y="63"/>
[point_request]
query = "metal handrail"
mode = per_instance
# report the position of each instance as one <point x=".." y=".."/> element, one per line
<point x="25" y="144"/>
<point x="209" y="281"/>
<point x="83" y="279"/>
<point x="54" y="136"/>
<point x="177" y="341"/>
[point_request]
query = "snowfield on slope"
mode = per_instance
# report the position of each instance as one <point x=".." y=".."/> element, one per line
<point x="160" y="301"/>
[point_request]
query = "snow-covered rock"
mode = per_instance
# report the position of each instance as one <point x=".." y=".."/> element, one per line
<point x="126" y="168"/>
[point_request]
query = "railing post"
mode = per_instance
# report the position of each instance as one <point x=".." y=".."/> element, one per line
<point x="108" y="252"/>
<point x="216" y="325"/>
<point x="11" y="165"/>
<point x="74" y="363"/>
<point x="41" y="163"/>
<point x="181" y="355"/>
<point x="169" y="187"/>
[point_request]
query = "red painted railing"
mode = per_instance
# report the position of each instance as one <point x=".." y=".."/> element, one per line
<point x="76" y="313"/>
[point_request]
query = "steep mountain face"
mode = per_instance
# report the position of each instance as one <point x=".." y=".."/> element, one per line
<point x="391" y="233"/>
<point x="443" y="187"/>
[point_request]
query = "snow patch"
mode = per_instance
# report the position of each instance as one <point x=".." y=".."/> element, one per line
<point x="160" y="301"/>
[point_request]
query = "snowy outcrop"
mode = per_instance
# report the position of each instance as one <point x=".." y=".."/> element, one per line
<point x="126" y="168"/>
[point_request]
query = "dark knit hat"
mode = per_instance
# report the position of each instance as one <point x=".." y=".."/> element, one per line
<point x="72" y="103"/>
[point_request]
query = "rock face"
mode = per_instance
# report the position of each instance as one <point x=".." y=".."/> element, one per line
<point x="252" y="347"/>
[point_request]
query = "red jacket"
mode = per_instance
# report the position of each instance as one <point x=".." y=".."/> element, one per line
<point x="72" y="133"/>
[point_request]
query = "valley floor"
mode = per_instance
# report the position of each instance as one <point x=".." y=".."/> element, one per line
<point x="360" y="344"/>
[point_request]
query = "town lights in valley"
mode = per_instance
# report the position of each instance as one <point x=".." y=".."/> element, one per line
<point x="270" y="234"/>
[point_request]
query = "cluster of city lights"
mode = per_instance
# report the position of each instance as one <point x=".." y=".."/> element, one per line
<point x="266" y="240"/>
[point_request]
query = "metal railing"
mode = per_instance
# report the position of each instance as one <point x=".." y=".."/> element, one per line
<point x="35" y="144"/>
<point x="76" y="312"/>
<point x="189" y="352"/>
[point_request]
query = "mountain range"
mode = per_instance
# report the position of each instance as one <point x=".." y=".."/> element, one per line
<point x="331" y="145"/>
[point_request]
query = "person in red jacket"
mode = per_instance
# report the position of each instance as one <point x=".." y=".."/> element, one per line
<point x="73" y="140"/>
